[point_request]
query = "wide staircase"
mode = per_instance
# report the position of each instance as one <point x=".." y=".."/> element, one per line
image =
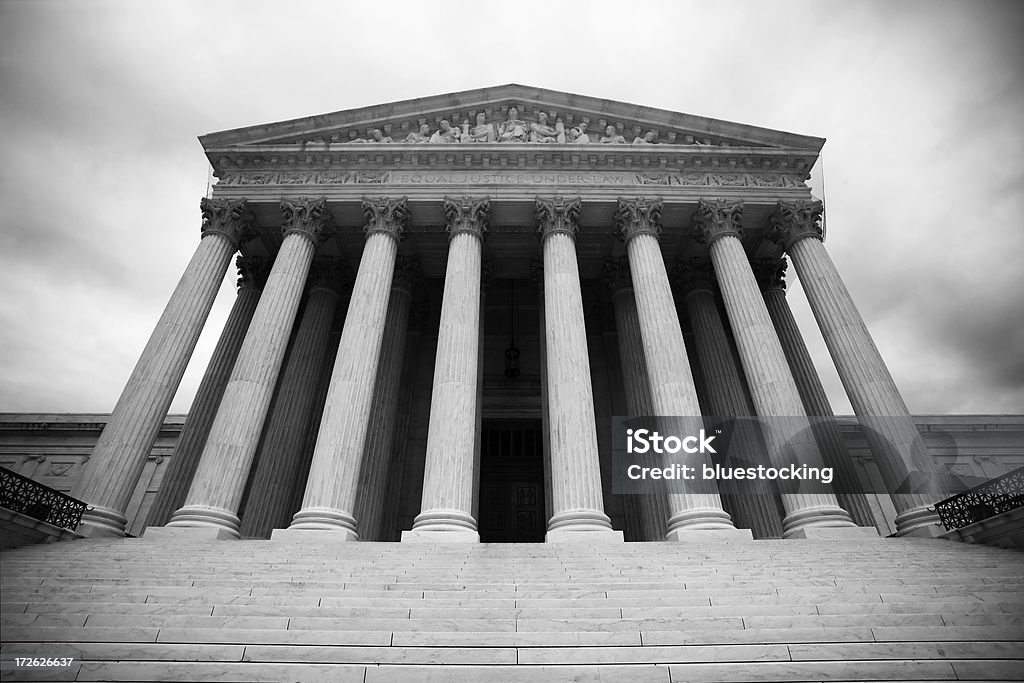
<point x="800" y="610"/>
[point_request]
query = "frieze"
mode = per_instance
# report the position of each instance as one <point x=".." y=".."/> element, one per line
<point x="622" y="179"/>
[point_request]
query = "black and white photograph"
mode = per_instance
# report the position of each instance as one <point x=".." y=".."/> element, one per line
<point x="496" y="342"/>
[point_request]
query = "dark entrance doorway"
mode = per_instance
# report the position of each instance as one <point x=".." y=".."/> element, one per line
<point x="512" y="482"/>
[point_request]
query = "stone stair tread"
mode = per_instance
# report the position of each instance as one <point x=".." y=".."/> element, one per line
<point x="890" y="609"/>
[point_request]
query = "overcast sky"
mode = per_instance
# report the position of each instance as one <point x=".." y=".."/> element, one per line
<point x="922" y="104"/>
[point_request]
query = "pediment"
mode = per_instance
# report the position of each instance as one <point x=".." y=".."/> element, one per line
<point x="483" y="116"/>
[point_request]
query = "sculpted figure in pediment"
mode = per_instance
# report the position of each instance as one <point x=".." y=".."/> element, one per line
<point x="445" y="134"/>
<point x="612" y="137"/>
<point x="376" y="136"/>
<point x="481" y="132"/>
<point x="512" y="129"/>
<point x="419" y="137"/>
<point x="647" y="139"/>
<point x="578" y="134"/>
<point x="542" y="132"/>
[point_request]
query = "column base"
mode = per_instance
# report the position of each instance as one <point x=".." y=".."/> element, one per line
<point x="835" y="533"/>
<point x="203" y="517"/>
<point x="102" y="522"/>
<point x="172" y="534"/>
<point x="818" y="517"/>
<point x="428" y="535"/>
<point x="324" y="519"/>
<point x="699" y="519"/>
<point x="589" y="535"/>
<point x="921" y="521"/>
<point x="696" y="536"/>
<point x="442" y="526"/>
<point x="303" y="535"/>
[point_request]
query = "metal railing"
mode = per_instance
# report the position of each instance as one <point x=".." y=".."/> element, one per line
<point x="29" y="497"/>
<point x="983" y="501"/>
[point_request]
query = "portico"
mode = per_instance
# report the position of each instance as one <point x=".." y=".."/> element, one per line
<point x="370" y="394"/>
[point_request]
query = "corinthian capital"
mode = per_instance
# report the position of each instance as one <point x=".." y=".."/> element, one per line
<point x="638" y="217"/>
<point x="693" y="275"/>
<point x="558" y="214"/>
<point x="617" y="275"/>
<point x="408" y="274"/>
<point x="770" y="273"/>
<point x="467" y="215"/>
<point x="229" y="217"/>
<point x="308" y="217"/>
<point x="385" y="215"/>
<point x="717" y="218"/>
<point x="796" y="220"/>
<point x="329" y="272"/>
<point x="253" y="271"/>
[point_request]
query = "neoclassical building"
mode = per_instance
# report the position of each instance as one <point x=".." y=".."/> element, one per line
<point x="442" y="304"/>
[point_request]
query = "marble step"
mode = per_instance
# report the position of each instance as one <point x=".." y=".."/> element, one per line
<point x="893" y="609"/>
<point x="873" y="670"/>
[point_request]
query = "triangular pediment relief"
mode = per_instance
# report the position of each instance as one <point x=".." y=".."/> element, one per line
<point x="509" y="114"/>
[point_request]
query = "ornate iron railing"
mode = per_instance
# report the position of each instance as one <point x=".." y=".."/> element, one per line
<point x="983" y="501"/>
<point x="21" y="494"/>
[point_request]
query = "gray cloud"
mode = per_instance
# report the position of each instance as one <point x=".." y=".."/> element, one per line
<point x="920" y="102"/>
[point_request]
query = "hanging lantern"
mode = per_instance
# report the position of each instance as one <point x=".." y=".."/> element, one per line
<point x="512" y="361"/>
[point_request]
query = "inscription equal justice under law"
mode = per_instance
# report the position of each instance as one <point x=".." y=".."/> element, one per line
<point x="514" y="178"/>
<point x="506" y="178"/>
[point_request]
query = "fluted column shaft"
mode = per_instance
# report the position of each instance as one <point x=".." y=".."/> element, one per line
<point x="330" y="496"/>
<point x="117" y="460"/>
<point x="446" y="510"/>
<point x="576" y="495"/>
<point x="771" y="384"/>
<point x="284" y="435"/>
<point x="899" y="450"/>
<point x="380" y="435"/>
<point x="653" y="506"/>
<point x="725" y="396"/>
<point x="537" y="273"/>
<point x="812" y="393"/>
<point x="217" y="488"/>
<point x="673" y="393"/>
<point x="396" y="466"/>
<point x="323" y="383"/>
<point x="178" y="478"/>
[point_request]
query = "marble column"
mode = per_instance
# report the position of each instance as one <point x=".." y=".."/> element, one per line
<point x="323" y="383"/>
<point x="537" y="275"/>
<point x="174" y="486"/>
<point x="212" y="502"/>
<point x="486" y="275"/>
<point x="419" y="314"/>
<point x="577" y="512"/>
<point x="754" y="502"/>
<point x="446" y="512"/>
<point x="117" y="460"/>
<point x="330" y="497"/>
<point x="653" y="505"/>
<point x="771" y="277"/>
<point x="279" y="455"/>
<point x="907" y="467"/>
<point x="373" y="478"/>
<point x="788" y="434"/>
<point x="673" y="393"/>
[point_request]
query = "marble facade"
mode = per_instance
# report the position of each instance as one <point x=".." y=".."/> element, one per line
<point x="388" y="256"/>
